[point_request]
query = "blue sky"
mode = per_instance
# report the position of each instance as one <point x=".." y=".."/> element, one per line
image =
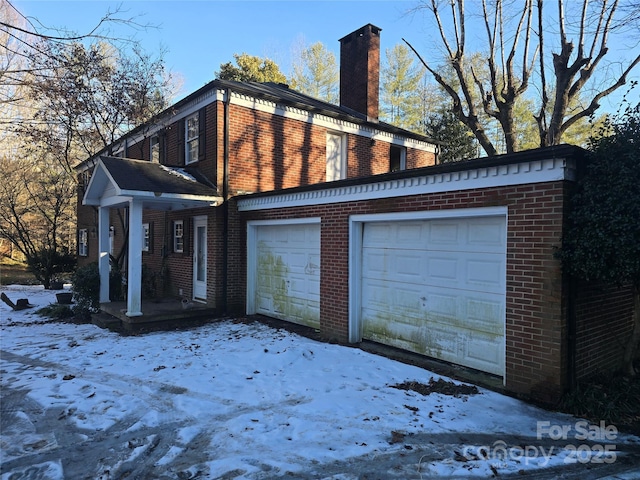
<point x="200" y="35"/>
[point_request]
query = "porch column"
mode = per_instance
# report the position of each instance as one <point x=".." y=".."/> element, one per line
<point x="103" y="252"/>
<point x="134" y="277"/>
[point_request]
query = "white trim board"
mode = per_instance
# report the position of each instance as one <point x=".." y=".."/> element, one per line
<point x="530" y="172"/>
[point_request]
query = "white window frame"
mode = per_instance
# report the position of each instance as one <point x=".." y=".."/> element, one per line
<point x="112" y="234"/>
<point x="342" y="168"/>
<point x="146" y="237"/>
<point x="191" y="133"/>
<point x="178" y="236"/>
<point x="154" y="149"/>
<point x="83" y="242"/>
<point x="403" y="157"/>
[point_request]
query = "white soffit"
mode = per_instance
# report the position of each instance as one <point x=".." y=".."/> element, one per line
<point x="531" y="172"/>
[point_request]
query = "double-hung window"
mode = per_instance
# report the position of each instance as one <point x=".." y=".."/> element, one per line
<point x="178" y="236"/>
<point x="192" y="129"/>
<point x="146" y="237"/>
<point x="83" y="242"/>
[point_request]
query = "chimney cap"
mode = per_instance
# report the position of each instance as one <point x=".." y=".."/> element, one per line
<point x="361" y="31"/>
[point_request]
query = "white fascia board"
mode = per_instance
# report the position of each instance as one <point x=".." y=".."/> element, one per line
<point x="100" y="179"/>
<point x="144" y="195"/>
<point x="330" y="123"/>
<point x="538" y="171"/>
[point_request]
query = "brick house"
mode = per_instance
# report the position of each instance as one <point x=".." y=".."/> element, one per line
<point x="253" y="198"/>
<point x="169" y="182"/>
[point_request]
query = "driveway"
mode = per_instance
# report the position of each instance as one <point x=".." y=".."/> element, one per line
<point x="237" y="399"/>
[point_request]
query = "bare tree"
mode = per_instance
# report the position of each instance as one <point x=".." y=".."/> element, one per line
<point x="64" y="98"/>
<point x="518" y="57"/>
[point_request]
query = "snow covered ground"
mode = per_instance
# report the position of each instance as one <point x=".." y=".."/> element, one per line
<point x="238" y="399"/>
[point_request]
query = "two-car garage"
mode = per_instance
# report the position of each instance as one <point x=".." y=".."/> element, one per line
<point x="426" y="282"/>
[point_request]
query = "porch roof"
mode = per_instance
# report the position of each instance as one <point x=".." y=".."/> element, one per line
<point x="117" y="181"/>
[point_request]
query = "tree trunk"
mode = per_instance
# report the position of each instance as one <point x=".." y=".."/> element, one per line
<point x="632" y="344"/>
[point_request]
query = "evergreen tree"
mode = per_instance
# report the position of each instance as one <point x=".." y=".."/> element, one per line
<point x="456" y="139"/>
<point x="401" y="80"/>
<point x="315" y="73"/>
<point x="251" y="69"/>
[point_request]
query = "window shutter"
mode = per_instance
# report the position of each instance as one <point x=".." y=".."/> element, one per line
<point x="186" y="228"/>
<point x="181" y="147"/>
<point x="202" y="133"/>
<point x="151" y="237"/>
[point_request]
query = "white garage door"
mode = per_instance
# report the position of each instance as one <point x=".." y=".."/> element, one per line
<point x="288" y="272"/>
<point x="437" y="287"/>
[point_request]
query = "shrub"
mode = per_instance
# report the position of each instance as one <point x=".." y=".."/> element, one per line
<point x="86" y="288"/>
<point x="46" y="263"/>
<point x="55" y="311"/>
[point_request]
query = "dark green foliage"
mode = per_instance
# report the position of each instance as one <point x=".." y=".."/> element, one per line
<point x="457" y="141"/>
<point x="602" y="241"/>
<point x="251" y="69"/>
<point x="55" y="311"/>
<point x="115" y="285"/>
<point x="149" y="282"/>
<point x="612" y="398"/>
<point x="86" y="288"/>
<point x="603" y="238"/>
<point x="49" y="262"/>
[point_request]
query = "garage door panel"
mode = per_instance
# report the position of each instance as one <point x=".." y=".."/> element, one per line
<point x="488" y="233"/>
<point x="480" y="315"/>
<point x="443" y="267"/>
<point x="486" y="274"/>
<point x="288" y="272"/>
<point x="441" y="291"/>
<point x="480" y="351"/>
<point x="443" y="234"/>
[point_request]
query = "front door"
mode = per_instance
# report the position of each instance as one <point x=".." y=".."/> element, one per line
<point x="200" y="258"/>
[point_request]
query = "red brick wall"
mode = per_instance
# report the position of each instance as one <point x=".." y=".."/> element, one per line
<point x="266" y="152"/>
<point x="535" y="335"/>
<point x="603" y="325"/>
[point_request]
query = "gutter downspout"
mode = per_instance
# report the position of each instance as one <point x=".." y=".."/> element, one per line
<point x="225" y="196"/>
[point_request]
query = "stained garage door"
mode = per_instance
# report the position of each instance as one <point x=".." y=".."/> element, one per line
<point x="437" y="287"/>
<point x="287" y="266"/>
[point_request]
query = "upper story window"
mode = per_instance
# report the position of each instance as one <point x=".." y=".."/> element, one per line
<point x="155" y="149"/>
<point x="336" y="156"/>
<point x="397" y="158"/>
<point x="84" y="179"/>
<point x="192" y="129"/>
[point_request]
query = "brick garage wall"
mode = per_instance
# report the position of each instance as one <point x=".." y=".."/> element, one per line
<point x="536" y="354"/>
<point x="603" y="324"/>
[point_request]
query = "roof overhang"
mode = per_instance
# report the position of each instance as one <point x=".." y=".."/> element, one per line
<point x="104" y="190"/>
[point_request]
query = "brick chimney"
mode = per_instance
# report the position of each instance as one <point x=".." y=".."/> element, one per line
<point x="360" y="71"/>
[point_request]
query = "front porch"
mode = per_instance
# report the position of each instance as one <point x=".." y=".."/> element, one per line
<point x="158" y="314"/>
<point x="137" y="186"/>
